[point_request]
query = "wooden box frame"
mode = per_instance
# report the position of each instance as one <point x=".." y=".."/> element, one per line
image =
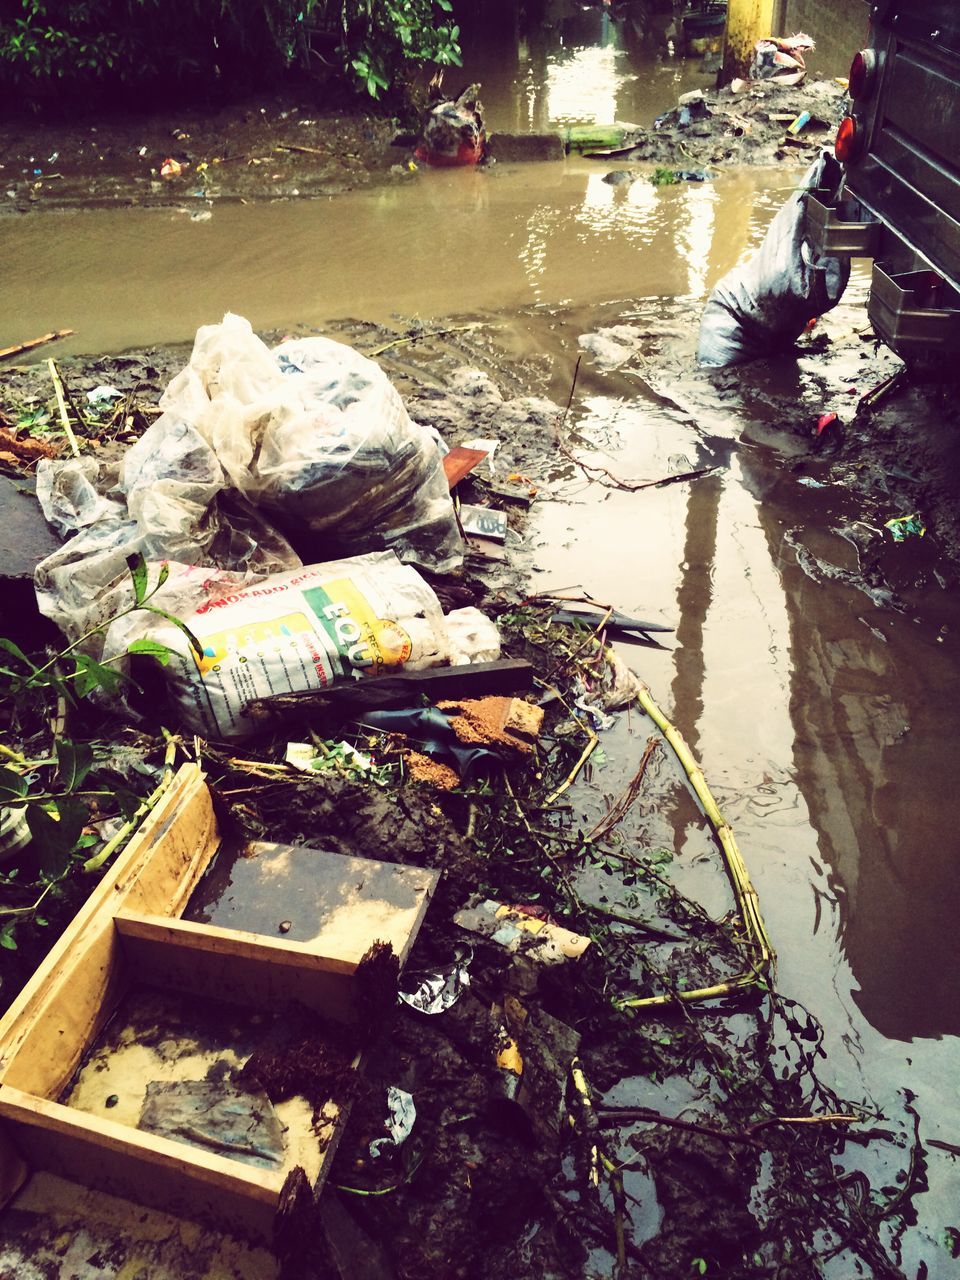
<point x="129" y="932"/>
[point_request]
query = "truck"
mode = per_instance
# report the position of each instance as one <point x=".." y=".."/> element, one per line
<point x="899" y="199"/>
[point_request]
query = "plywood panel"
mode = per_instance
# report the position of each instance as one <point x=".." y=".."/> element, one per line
<point x="235" y="967"/>
<point x="330" y="903"/>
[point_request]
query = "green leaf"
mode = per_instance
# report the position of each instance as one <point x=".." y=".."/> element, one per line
<point x="128" y="801"/>
<point x="74" y="762"/>
<point x="7" y="940"/>
<point x="17" y="653"/>
<point x="138" y="573"/>
<point x="152" y="649"/>
<point x="12" y="785"/>
<point x="90" y="674"/>
<point x="55" y="835"/>
<point x="178" y="622"/>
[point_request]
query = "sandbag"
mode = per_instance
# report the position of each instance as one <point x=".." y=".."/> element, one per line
<point x="324" y="624"/>
<point x="764" y="304"/>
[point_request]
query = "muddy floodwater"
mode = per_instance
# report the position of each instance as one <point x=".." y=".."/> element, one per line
<point x="824" y="715"/>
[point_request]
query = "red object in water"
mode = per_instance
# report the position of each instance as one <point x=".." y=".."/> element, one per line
<point x="825" y="420"/>
<point x="465" y="154"/>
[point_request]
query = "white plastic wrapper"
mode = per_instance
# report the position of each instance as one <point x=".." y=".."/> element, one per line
<point x="763" y="305"/>
<point x="472" y="637"/>
<point x="319" y="625"/>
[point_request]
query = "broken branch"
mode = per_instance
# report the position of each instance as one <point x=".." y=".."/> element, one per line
<point x="415" y="337"/>
<point x="630" y="486"/>
<point x="621" y="807"/>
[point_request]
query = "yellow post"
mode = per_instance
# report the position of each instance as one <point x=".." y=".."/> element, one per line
<point x="747" y="22"/>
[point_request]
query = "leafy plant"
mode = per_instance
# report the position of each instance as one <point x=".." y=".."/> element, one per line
<point x="56" y="43"/>
<point x="379" y="36"/>
<point x="51" y="793"/>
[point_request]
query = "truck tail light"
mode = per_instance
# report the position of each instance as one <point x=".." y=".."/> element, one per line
<point x="849" y="140"/>
<point x="862" y="74"/>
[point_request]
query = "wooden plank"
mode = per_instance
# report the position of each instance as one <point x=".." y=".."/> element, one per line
<point x="47" y="1028"/>
<point x="140" y="1166"/>
<point x="330" y="904"/>
<point x="459" y="462"/>
<point x="234" y="967"/>
<point x="473" y="680"/>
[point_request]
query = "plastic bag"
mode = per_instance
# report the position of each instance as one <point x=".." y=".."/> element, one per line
<point x="167" y="503"/>
<point x="353" y="619"/>
<point x="780" y="58"/>
<point x="315" y="434"/>
<point x="763" y="305"/>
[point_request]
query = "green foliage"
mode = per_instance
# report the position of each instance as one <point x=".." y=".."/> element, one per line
<point x="46" y="44"/>
<point x="53" y="793"/>
<point x="379" y="36"/>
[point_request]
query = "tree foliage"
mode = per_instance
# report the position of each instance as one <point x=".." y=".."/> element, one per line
<point x="64" y="46"/>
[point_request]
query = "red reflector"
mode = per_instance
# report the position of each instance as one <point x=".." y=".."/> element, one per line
<point x="861" y="73"/>
<point x="848" y="141"/>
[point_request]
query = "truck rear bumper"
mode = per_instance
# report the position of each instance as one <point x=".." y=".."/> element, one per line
<point x="914" y="311"/>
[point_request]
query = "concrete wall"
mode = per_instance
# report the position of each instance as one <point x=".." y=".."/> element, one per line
<point x="838" y="26"/>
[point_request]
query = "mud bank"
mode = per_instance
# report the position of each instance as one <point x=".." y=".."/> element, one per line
<point x="281" y="150"/>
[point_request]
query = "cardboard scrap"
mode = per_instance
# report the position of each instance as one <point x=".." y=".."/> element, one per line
<point x="519" y="930"/>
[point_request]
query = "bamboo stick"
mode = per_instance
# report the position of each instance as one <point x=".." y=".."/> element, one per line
<point x="62" y="406"/>
<point x="748" y="903"/>
<point x="114" y="843"/>
<point x="20" y="347"/>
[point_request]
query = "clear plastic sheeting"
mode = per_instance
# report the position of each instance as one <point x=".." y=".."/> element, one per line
<point x="309" y="438"/>
<point x="764" y="304"/>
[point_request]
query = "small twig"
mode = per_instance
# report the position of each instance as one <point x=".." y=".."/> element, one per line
<point x="619" y="810"/>
<point x="27" y="911"/>
<point x="571" y="777"/>
<point x="641" y="925"/>
<point x="307" y="151"/>
<point x="831" y="1118"/>
<point x="415" y="337"/>
<point x="631" y="486"/>
<point x="953" y="1149"/>
<point x="62" y="406"/>
<point x="609" y="1117"/>
<point x="98" y="859"/>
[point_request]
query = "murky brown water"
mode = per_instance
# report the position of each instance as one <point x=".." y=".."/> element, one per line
<point x="446" y="242"/>
<point x="824" y="723"/>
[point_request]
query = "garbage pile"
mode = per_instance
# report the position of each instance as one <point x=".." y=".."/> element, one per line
<point x="780" y="58"/>
<point x="453" y="132"/>
<point x="257" y="451"/>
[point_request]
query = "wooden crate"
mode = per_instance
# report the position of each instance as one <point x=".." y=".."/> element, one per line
<point x="128" y="935"/>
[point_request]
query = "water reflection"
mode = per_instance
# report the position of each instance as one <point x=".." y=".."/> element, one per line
<point x="561" y="63"/>
<point x="873" y="700"/>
